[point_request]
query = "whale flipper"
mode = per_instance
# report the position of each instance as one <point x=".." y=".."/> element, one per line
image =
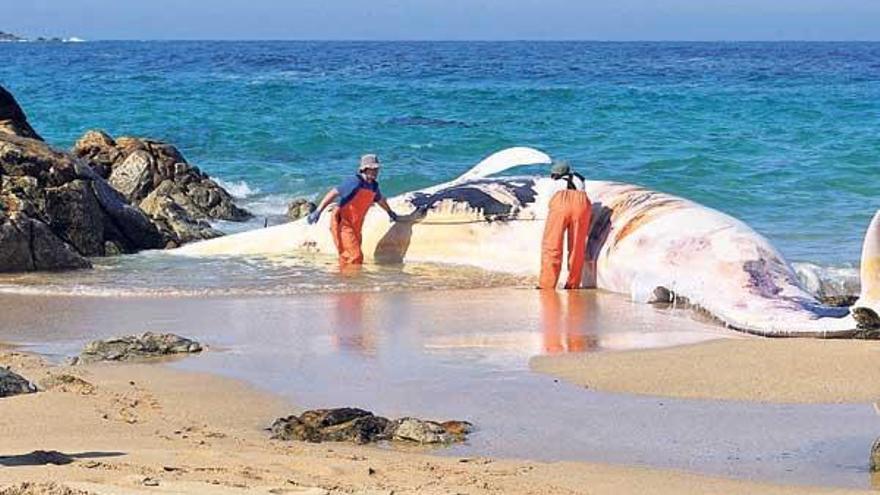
<point x="869" y="271"/>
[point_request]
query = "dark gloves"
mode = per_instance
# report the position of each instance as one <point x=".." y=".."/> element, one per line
<point x="314" y="216"/>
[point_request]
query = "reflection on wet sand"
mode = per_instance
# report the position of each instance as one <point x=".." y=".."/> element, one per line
<point x="568" y="329"/>
<point x="350" y="332"/>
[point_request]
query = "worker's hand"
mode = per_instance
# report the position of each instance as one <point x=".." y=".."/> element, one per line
<point x="392" y="216"/>
<point x="314" y="216"/>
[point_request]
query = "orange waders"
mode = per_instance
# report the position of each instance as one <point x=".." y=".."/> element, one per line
<point x="346" y="227"/>
<point x="570" y="212"/>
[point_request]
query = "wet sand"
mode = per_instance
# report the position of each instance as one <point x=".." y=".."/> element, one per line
<point x="765" y="370"/>
<point x="432" y="354"/>
<point x="152" y="429"/>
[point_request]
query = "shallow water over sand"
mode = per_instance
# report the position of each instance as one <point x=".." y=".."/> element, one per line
<point x="464" y="354"/>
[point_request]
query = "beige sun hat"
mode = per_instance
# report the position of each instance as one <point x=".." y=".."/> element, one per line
<point x="369" y="161"/>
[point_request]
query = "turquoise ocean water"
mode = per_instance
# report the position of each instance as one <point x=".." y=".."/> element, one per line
<point x="785" y="136"/>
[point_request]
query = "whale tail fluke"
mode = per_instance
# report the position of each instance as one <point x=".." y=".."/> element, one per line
<point x="869" y="273"/>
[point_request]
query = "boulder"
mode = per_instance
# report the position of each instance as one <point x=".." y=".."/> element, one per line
<point x="14" y="384"/>
<point x="135" y="347"/>
<point x="332" y="425"/>
<point x="416" y="430"/>
<point x="299" y="208"/>
<point x="173" y="218"/>
<point x="12" y="118"/>
<point x="349" y="424"/>
<point x="126" y="226"/>
<point x="15" y="248"/>
<point x="134" y="176"/>
<point x="137" y="166"/>
<point x="76" y="215"/>
<point x="99" y="150"/>
<point x="55" y="211"/>
<point x="430" y="432"/>
<point x="50" y="252"/>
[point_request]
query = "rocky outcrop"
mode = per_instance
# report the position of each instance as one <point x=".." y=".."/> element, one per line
<point x="55" y="211"/>
<point x="4" y="36"/>
<point x="154" y="175"/>
<point x="173" y="218"/>
<point x="136" y="167"/>
<point x="113" y="197"/>
<point x="348" y="424"/>
<point x="137" y="347"/>
<point x="14" y="384"/>
<point x="12" y="118"/>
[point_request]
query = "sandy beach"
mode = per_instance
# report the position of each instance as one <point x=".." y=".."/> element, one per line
<point x="152" y="429"/>
<point x="756" y="369"/>
<point x="197" y="424"/>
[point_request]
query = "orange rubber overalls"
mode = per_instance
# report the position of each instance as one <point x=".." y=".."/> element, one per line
<point x="348" y="220"/>
<point x="570" y="212"/>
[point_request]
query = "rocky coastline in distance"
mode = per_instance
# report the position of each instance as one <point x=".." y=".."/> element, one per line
<point x="106" y="196"/>
<point x="9" y="37"/>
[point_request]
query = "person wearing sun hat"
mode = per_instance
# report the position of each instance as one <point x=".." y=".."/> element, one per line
<point x="568" y="216"/>
<point x="356" y="195"/>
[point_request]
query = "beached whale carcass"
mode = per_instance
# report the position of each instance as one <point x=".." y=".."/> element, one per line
<point x="643" y="243"/>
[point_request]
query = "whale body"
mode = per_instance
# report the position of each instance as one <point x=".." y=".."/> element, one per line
<point x="653" y="247"/>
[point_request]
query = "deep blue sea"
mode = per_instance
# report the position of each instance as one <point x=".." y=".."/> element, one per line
<point x="785" y="136"/>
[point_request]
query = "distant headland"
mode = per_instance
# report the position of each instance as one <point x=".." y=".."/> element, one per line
<point x="9" y="37"/>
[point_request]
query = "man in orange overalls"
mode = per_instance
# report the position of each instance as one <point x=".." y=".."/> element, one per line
<point x="356" y="195"/>
<point x="569" y="215"/>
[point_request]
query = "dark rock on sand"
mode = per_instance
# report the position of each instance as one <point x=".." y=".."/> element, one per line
<point x="332" y="425"/>
<point x="12" y="383"/>
<point x="12" y="118"/>
<point x="416" y="430"/>
<point x="360" y="426"/>
<point x="430" y="432"/>
<point x="135" y="347"/>
<point x="299" y="208"/>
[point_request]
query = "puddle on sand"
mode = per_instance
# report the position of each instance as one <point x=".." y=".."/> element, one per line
<point x="464" y="355"/>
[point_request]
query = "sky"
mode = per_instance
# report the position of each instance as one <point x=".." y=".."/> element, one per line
<point x="611" y="20"/>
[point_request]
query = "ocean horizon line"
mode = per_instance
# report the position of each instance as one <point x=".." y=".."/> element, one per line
<point x="487" y="41"/>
